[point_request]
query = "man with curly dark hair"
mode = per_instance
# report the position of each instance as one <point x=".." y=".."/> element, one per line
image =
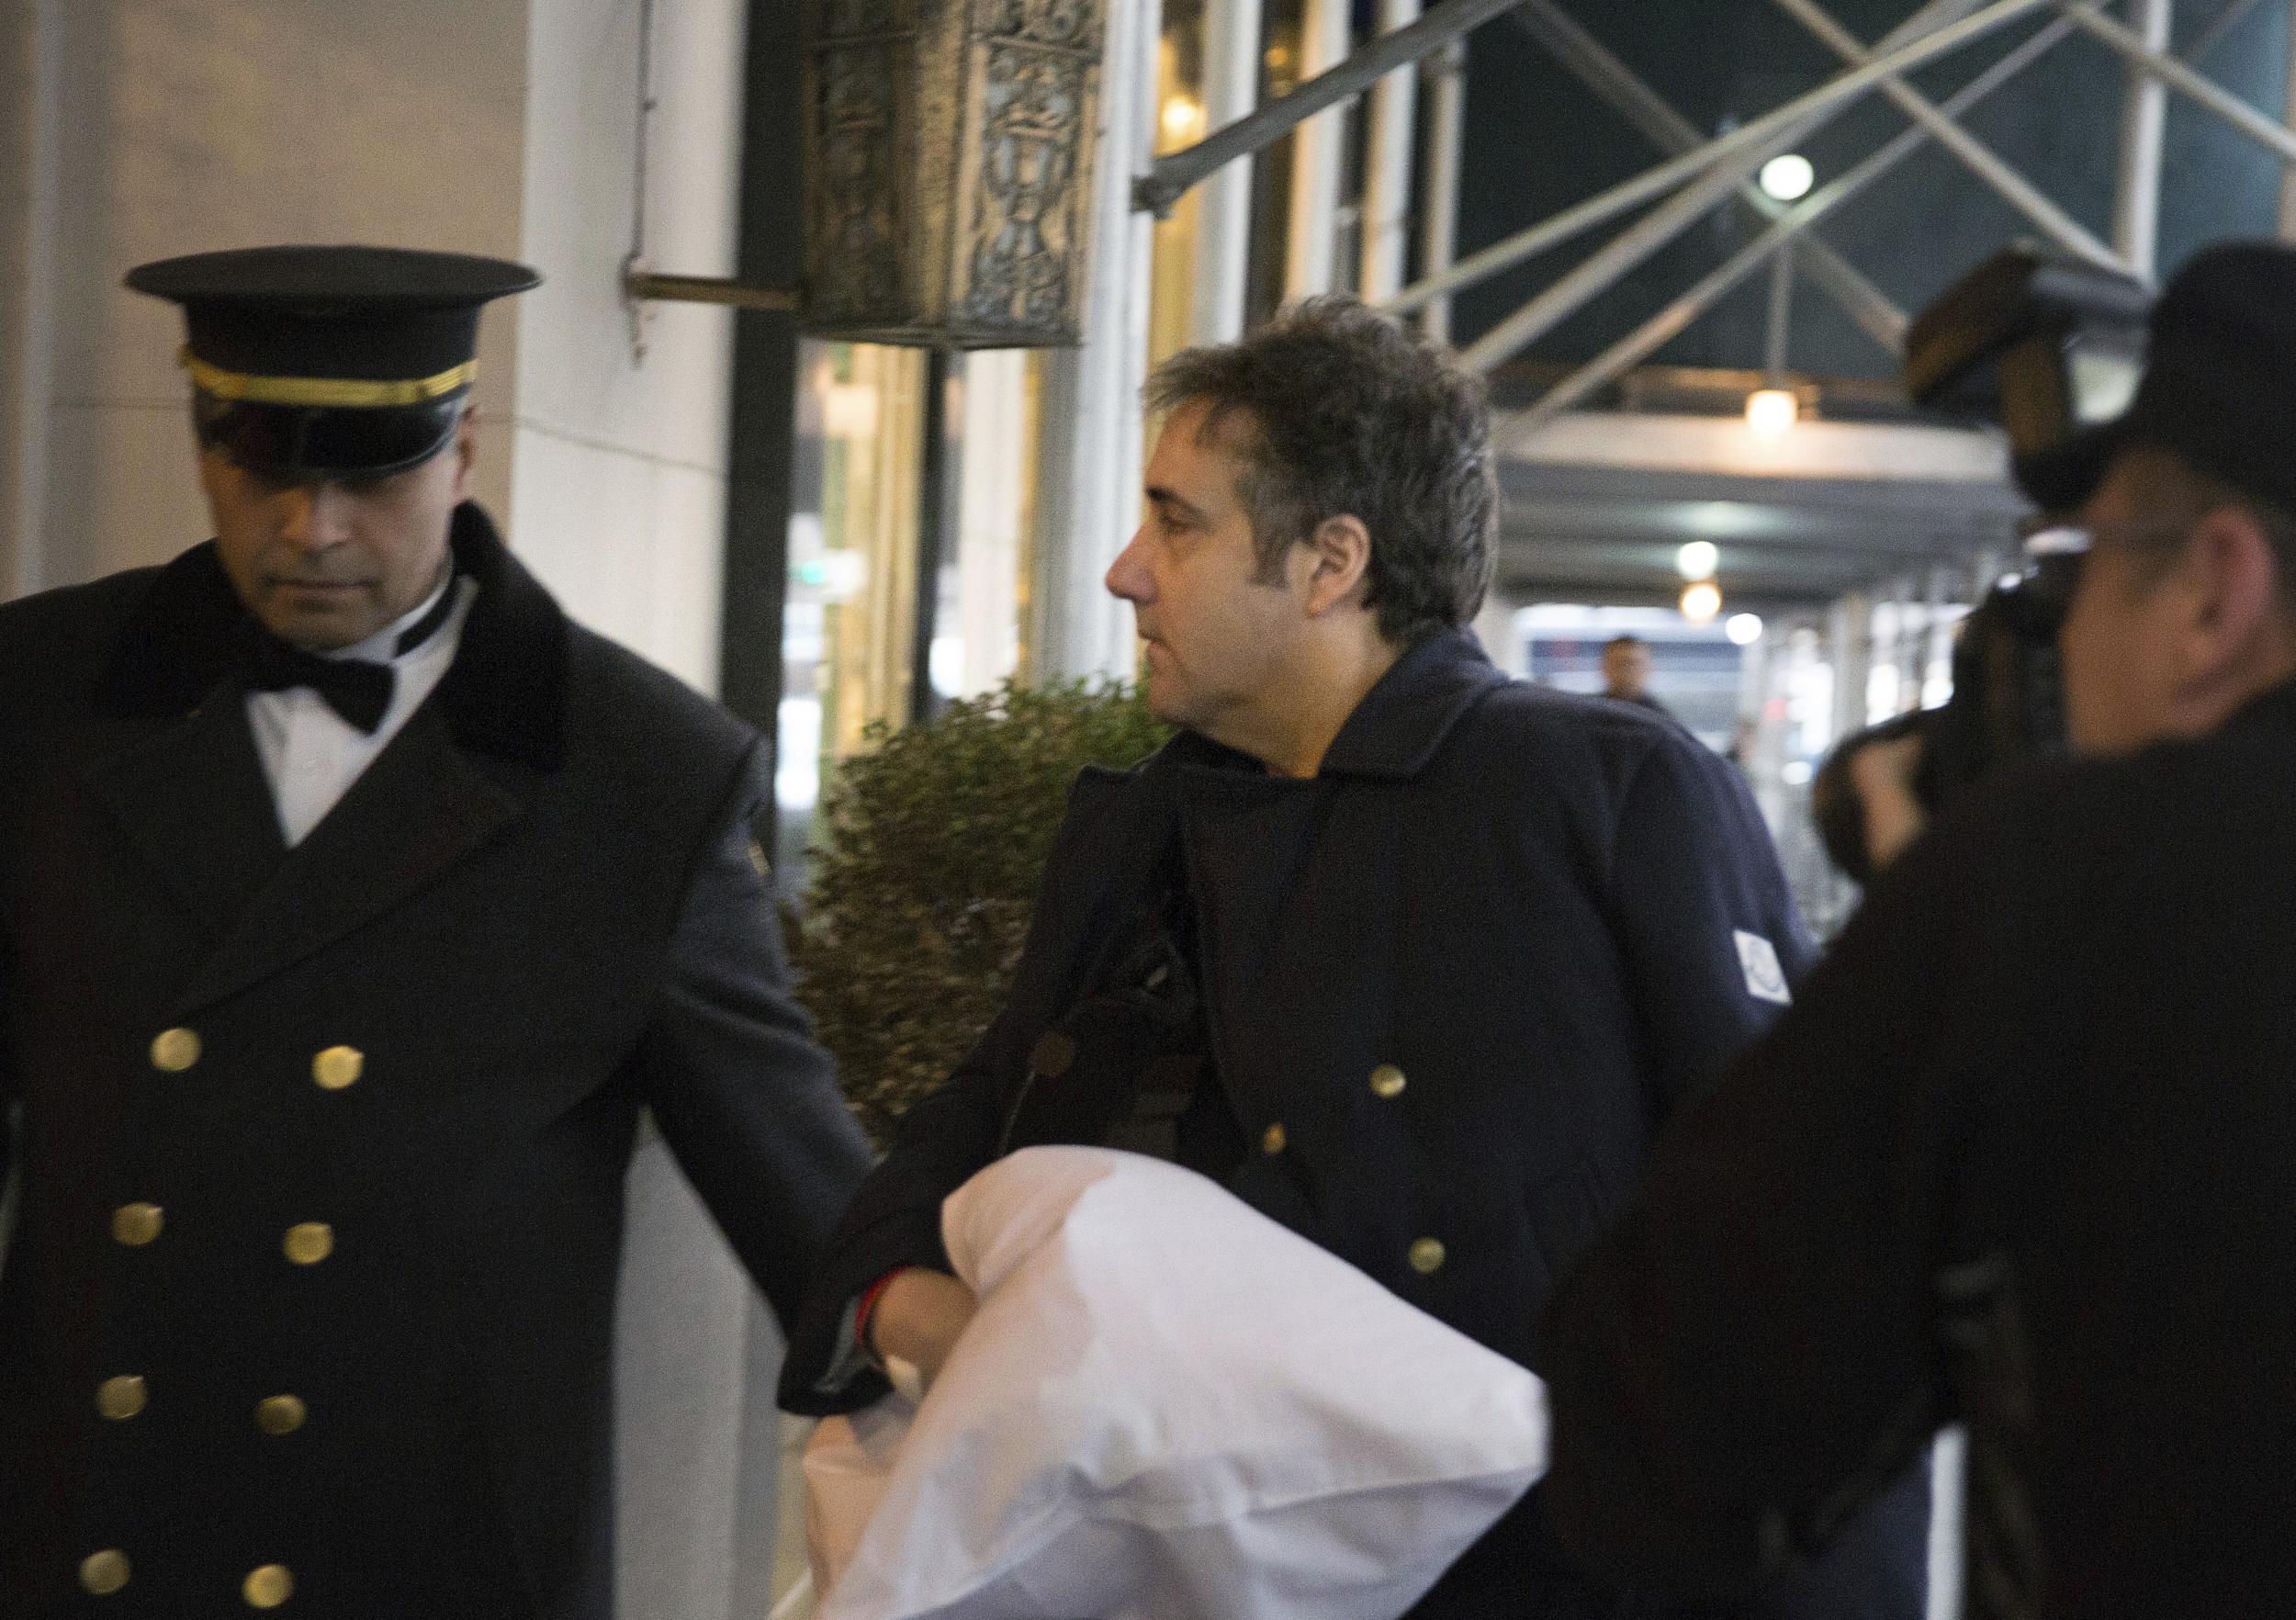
<point x="1409" y="956"/>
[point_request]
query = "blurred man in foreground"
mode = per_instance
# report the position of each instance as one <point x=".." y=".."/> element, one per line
<point x="2019" y="1156"/>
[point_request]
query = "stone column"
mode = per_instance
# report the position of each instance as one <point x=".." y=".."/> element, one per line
<point x="1090" y="452"/>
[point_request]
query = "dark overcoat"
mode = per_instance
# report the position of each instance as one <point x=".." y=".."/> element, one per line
<point x="1453" y="982"/>
<point x="2021" y="1158"/>
<point x="321" y="1150"/>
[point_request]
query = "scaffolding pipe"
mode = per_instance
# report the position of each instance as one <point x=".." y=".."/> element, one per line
<point x="1775" y="127"/>
<point x="1088" y="455"/>
<point x="1224" y="221"/>
<point x="1670" y="322"/>
<point x="2288" y="116"/>
<point x="1315" y="157"/>
<point x="1978" y="158"/>
<point x="1171" y="176"/>
<point x="1593" y="65"/>
<point x="1603" y="268"/>
<point x="2180" y="77"/>
<point x="2231" y="17"/>
<point x="1781" y="319"/>
<point x="1439" y="209"/>
<point x="2143" y="129"/>
<point x="1387" y="166"/>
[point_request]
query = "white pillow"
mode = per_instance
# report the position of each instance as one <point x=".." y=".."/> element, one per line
<point x="1168" y="1406"/>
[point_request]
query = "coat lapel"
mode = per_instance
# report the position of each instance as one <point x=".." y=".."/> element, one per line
<point x="193" y="800"/>
<point x="1320" y="937"/>
<point x="422" y="807"/>
<point x="1311" y="957"/>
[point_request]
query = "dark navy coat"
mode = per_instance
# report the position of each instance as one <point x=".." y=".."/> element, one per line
<point x="1550" y="918"/>
<point x="321" y="1150"/>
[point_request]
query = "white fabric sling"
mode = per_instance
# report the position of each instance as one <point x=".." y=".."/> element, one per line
<point x="1168" y="1406"/>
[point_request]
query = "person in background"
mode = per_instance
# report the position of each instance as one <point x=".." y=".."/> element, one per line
<point x="1626" y="672"/>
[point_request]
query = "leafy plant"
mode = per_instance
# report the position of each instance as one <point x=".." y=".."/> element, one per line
<point x="931" y="844"/>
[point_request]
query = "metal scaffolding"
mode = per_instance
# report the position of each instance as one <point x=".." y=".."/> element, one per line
<point x="1695" y="176"/>
<point x="1699" y="176"/>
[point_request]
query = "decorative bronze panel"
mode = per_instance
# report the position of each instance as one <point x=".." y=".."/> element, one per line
<point x="949" y="168"/>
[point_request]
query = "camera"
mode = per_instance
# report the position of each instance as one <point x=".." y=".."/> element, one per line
<point x="2039" y="345"/>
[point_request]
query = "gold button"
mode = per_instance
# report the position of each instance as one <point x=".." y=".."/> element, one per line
<point x="338" y="1066"/>
<point x="1272" y="1139"/>
<point x="1426" y="1257"/>
<point x="282" y="1414"/>
<point x="309" y="1243"/>
<point x="1387" y="1081"/>
<point x="121" y="1398"/>
<point x="757" y="859"/>
<point x="174" y="1050"/>
<point x="268" y="1587"/>
<point x="137" y="1224"/>
<point x="106" y="1572"/>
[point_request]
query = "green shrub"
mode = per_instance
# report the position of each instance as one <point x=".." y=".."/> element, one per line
<point x="927" y="853"/>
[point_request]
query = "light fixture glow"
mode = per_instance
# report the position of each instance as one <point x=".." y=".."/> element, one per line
<point x="1183" y="117"/>
<point x="1701" y="602"/>
<point x="1697" y="560"/>
<point x="1744" y="629"/>
<point x="1788" y="177"/>
<point x="1771" y="412"/>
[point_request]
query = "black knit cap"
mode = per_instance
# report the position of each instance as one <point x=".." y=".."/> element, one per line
<point x="312" y="361"/>
<point x="2219" y="387"/>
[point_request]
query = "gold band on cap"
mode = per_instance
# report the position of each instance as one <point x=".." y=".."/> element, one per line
<point x="325" y="393"/>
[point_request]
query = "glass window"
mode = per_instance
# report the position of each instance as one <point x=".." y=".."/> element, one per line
<point x="848" y="627"/>
<point x="886" y="474"/>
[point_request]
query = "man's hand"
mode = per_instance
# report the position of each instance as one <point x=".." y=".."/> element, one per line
<point x="918" y="1318"/>
<point x="1882" y="772"/>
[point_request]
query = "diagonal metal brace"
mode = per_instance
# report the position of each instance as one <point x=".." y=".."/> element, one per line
<point x="2177" y="76"/>
<point x="1670" y="322"/>
<point x="1593" y="62"/>
<point x="1763" y="138"/>
<point x="1171" y="176"/>
<point x="1780" y="124"/>
<point x="1978" y="158"/>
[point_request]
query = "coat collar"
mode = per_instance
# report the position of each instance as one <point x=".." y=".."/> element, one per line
<point x="1394" y="733"/>
<point x="504" y="694"/>
<point x="1404" y="719"/>
<point x="1401" y="722"/>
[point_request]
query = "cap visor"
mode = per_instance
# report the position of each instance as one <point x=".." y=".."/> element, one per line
<point x="2067" y="473"/>
<point x="289" y="441"/>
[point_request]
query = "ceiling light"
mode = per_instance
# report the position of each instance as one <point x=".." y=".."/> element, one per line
<point x="1771" y="412"/>
<point x="1744" y="629"/>
<point x="1701" y="602"/>
<point x="1788" y="177"/>
<point x="1697" y="560"/>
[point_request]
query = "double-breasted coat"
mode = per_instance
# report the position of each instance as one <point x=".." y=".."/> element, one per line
<point x="1452" y="983"/>
<point x="320" y="1149"/>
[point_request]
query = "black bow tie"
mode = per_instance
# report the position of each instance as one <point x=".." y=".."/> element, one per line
<point x="357" y="689"/>
<point x="353" y="688"/>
